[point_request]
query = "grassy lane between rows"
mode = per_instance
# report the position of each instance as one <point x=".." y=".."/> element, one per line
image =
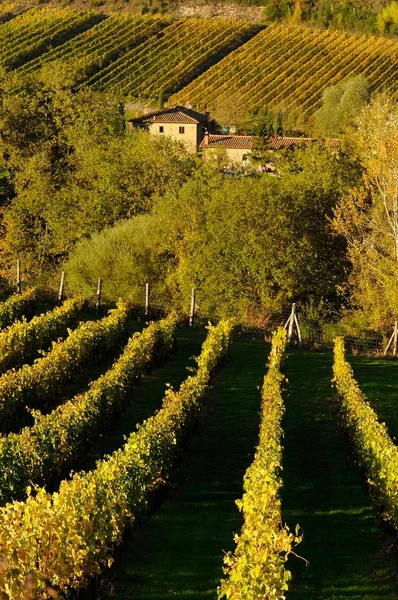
<point x="348" y="548"/>
<point x="177" y="551"/>
<point x="378" y="379"/>
<point x="147" y="396"/>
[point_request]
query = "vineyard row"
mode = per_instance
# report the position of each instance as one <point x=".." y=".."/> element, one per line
<point x="69" y="536"/>
<point x="39" y="385"/>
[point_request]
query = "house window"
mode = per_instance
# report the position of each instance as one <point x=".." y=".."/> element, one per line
<point x="181" y="130"/>
<point x="161" y="130"/>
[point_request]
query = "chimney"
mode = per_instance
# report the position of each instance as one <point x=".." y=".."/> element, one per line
<point x="187" y="105"/>
<point x="206" y="138"/>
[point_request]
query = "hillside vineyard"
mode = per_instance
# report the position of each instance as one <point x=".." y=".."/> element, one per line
<point x="200" y="61"/>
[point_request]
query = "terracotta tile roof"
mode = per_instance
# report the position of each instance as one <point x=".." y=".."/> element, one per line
<point x="239" y="142"/>
<point x="175" y="114"/>
<point x="281" y="143"/>
<point x="245" y="142"/>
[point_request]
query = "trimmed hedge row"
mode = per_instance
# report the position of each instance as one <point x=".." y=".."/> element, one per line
<point x="377" y="454"/>
<point x="20" y="342"/>
<point x="39" y="385"/>
<point x="52" y="543"/>
<point x="256" y="570"/>
<point x="56" y="440"/>
<point x="16" y="306"/>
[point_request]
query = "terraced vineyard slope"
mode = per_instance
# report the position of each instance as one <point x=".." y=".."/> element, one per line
<point x="94" y="49"/>
<point x="167" y="61"/>
<point x="202" y="61"/>
<point x="33" y="32"/>
<point x="290" y="66"/>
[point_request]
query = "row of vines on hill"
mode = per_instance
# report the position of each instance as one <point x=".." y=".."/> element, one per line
<point x="60" y="540"/>
<point x="39" y="385"/>
<point x="143" y="57"/>
<point x="96" y="48"/>
<point x="166" y="61"/>
<point x="32" y="32"/>
<point x="55" y="441"/>
<point x="290" y="66"/>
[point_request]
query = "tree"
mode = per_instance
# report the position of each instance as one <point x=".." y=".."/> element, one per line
<point x="69" y="170"/>
<point x="368" y="216"/>
<point x="387" y="19"/>
<point x="248" y="245"/>
<point x="341" y="103"/>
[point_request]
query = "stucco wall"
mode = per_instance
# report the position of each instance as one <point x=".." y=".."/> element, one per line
<point x="188" y="138"/>
<point x="230" y="155"/>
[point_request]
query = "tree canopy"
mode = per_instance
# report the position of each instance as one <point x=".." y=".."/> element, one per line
<point x="341" y="104"/>
<point x="248" y="245"/>
<point x="368" y="215"/>
<point x="68" y="168"/>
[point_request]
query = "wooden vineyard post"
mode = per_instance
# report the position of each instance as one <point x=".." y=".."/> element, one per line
<point x="18" y="276"/>
<point x="146" y="300"/>
<point x="393" y="341"/>
<point x="192" y="312"/>
<point x="297" y="329"/>
<point x="61" y="288"/>
<point x="291" y="324"/>
<point x="99" y="289"/>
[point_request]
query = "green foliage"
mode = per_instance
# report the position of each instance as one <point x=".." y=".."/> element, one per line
<point x="256" y="569"/>
<point x="20" y="342"/>
<point x="269" y="243"/>
<point x="377" y="454"/>
<point x="59" y="541"/>
<point x="387" y="19"/>
<point x="39" y="385"/>
<point x="368" y="215"/>
<point x="17" y="306"/>
<point x="247" y="258"/>
<point x="72" y="169"/>
<point x="342" y="103"/>
<point x="55" y="440"/>
<point x="125" y="257"/>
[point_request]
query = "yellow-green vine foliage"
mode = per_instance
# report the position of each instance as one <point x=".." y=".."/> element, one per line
<point x="58" y="541"/>
<point x="56" y="440"/>
<point x="376" y="452"/>
<point x="39" y="385"/>
<point x="256" y="570"/>
<point x="16" y="306"/>
<point x="20" y="342"/>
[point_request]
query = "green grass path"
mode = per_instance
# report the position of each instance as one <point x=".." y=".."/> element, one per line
<point x="177" y="551"/>
<point x="378" y="379"/>
<point x="323" y="492"/>
<point x="146" y="397"/>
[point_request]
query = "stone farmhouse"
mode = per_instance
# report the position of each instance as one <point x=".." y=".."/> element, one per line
<point x="190" y="127"/>
<point x="179" y="122"/>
